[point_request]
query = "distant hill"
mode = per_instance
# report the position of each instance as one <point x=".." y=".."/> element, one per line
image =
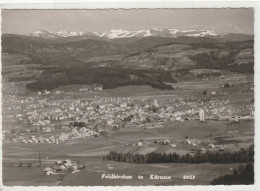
<point x="151" y="42"/>
<point x="43" y="47"/>
<point x="114" y="62"/>
<point x="152" y="52"/>
<point x="233" y="37"/>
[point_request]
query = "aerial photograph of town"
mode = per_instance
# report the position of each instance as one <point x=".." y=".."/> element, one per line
<point x="137" y="97"/>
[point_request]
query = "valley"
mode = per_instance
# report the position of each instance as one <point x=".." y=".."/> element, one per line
<point x="81" y="97"/>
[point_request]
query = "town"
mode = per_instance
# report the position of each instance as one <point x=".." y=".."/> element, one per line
<point x="123" y="104"/>
<point x="54" y="122"/>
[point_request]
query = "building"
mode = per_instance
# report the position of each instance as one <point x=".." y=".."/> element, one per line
<point x="202" y="115"/>
<point x="46" y="130"/>
<point x="47" y="171"/>
<point x="211" y="145"/>
<point x="203" y="150"/>
<point x="172" y="145"/>
<point x="155" y="103"/>
<point x="98" y="88"/>
<point x="67" y="163"/>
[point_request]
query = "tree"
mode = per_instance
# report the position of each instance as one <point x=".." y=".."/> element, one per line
<point x="244" y="175"/>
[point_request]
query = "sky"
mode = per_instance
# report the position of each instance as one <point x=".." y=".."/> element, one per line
<point x="218" y="20"/>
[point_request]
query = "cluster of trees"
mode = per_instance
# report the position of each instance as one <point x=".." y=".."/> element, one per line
<point x="244" y="175"/>
<point x="79" y="124"/>
<point x="243" y="68"/>
<point x="212" y="60"/>
<point x="108" y="77"/>
<point x="241" y="156"/>
<point x="21" y="78"/>
<point x="226" y="85"/>
<point x="207" y="75"/>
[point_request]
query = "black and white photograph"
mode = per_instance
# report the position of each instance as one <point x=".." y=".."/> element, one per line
<point x="128" y="97"/>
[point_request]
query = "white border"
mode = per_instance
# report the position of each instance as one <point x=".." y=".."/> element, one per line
<point x="126" y="4"/>
<point x="123" y="4"/>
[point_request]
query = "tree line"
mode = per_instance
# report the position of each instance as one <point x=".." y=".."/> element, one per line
<point x="241" y="156"/>
<point x="108" y="77"/>
<point x="242" y="175"/>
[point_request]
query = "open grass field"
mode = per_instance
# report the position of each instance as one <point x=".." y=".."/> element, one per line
<point x="91" y="176"/>
<point x="27" y="176"/>
<point x="90" y="151"/>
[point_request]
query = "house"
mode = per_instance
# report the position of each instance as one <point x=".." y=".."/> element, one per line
<point x="90" y="108"/>
<point x="155" y="103"/>
<point x="188" y="141"/>
<point x="61" y="167"/>
<point x="139" y="144"/>
<point x="74" y="167"/>
<point x="123" y="105"/>
<point x="48" y="171"/>
<point x="84" y="89"/>
<point x="52" y="139"/>
<point x="178" y="118"/>
<point x="110" y="122"/>
<point x="98" y="88"/>
<point x="146" y="106"/>
<point x="102" y="106"/>
<point x="46" y="130"/>
<point x="203" y="150"/>
<point x="172" y="145"/>
<point x="202" y="115"/>
<point x="47" y="92"/>
<point x="211" y="145"/>
<point x="166" y="142"/>
<point x="67" y="163"/>
<point x="58" y="92"/>
<point x="41" y="139"/>
<point x="58" y="162"/>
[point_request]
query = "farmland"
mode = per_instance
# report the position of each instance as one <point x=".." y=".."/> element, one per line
<point x="80" y="100"/>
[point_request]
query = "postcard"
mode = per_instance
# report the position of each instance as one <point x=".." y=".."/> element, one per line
<point x="128" y="97"/>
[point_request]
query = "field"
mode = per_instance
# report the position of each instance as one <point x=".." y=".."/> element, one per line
<point x="91" y="150"/>
<point x="177" y="75"/>
<point x="91" y="176"/>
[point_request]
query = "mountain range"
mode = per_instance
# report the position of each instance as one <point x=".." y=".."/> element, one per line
<point x="121" y="36"/>
<point x="122" y="53"/>
<point x="121" y="33"/>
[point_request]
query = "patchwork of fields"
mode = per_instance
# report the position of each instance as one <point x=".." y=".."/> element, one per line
<point x="81" y="100"/>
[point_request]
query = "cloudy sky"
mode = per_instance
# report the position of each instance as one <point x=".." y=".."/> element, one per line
<point x="218" y="20"/>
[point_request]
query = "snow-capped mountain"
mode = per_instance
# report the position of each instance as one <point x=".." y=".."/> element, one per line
<point x="125" y="34"/>
<point x="120" y="33"/>
<point x="52" y="34"/>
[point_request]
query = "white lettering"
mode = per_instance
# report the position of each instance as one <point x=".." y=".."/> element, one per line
<point x="116" y="176"/>
<point x="156" y="177"/>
